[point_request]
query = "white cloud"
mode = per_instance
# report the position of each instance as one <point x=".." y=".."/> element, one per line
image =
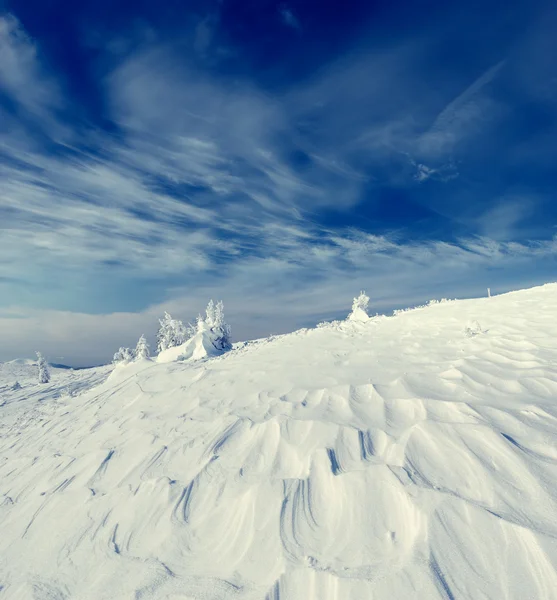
<point x="24" y="81"/>
<point x="505" y="218"/>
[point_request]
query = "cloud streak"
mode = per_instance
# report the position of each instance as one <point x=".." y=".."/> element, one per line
<point x="20" y="73"/>
<point x="461" y="116"/>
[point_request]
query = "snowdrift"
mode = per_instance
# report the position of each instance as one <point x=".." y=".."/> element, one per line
<point x="394" y="458"/>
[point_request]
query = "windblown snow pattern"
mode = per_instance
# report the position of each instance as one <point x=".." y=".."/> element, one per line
<point x="403" y="457"/>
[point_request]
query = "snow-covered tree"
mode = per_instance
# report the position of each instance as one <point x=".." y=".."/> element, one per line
<point x="16" y="386"/>
<point x="210" y="314"/>
<point x="165" y="333"/>
<point x="142" y="348"/>
<point x="200" y="324"/>
<point x="359" y="308"/>
<point x="44" y="373"/>
<point x="215" y="322"/>
<point x="171" y="333"/>
<point x="124" y="355"/>
<point x="219" y="321"/>
<point x="361" y="302"/>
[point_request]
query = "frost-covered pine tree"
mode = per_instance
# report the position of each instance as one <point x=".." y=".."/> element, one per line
<point x="44" y="373"/>
<point x="165" y="333"/>
<point x="142" y="348"/>
<point x="210" y="314"/>
<point x="200" y="324"/>
<point x="359" y="308"/>
<point x="124" y="355"/>
<point x="218" y="326"/>
<point x="218" y="320"/>
<point x="171" y="333"/>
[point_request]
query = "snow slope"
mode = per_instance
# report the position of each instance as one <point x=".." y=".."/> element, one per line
<point x="405" y="457"/>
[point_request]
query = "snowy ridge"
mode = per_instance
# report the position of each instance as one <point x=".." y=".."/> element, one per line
<point x="394" y="458"/>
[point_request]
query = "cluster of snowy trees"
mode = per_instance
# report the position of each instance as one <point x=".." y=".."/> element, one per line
<point x="125" y="355"/>
<point x="172" y="333"/>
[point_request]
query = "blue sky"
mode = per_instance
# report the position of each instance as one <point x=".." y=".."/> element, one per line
<point x="278" y="155"/>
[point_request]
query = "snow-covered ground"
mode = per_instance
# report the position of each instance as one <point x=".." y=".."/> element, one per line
<point x="405" y="457"/>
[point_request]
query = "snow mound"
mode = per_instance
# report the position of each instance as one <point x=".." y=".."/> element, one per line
<point x="404" y="460"/>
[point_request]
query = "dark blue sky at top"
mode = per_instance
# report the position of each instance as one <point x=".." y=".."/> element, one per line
<point x="270" y="131"/>
<point x="465" y="41"/>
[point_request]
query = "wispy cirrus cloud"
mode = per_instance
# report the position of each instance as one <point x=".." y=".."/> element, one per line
<point x="31" y="97"/>
<point x="21" y="75"/>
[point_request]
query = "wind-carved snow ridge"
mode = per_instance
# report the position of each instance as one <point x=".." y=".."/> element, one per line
<point x="403" y="460"/>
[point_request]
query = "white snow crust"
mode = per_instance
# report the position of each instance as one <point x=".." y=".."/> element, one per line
<point x="393" y="459"/>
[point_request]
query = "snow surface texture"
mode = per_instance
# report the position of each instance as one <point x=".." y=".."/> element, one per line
<point x="391" y="459"/>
